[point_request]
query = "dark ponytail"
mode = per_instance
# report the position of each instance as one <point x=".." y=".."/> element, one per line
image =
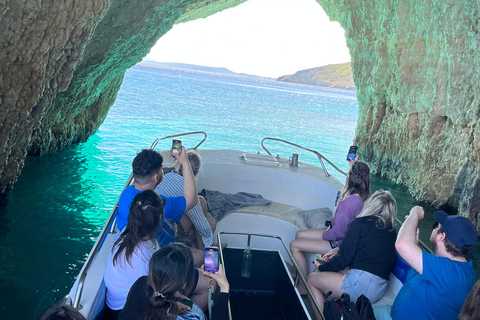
<point x="144" y="216"/>
<point x="168" y="273"/>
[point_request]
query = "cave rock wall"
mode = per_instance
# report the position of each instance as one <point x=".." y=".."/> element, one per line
<point x="414" y="64"/>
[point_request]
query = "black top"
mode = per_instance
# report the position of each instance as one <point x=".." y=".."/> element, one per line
<point x="366" y="247"/>
<point x="137" y="302"/>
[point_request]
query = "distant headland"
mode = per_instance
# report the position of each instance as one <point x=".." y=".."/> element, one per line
<point x="332" y="76"/>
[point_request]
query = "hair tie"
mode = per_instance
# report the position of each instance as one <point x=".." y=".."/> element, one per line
<point x="139" y="204"/>
<point x="158" y="294"/>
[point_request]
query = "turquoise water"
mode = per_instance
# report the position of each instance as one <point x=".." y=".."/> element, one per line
<point x="62" y="199"/>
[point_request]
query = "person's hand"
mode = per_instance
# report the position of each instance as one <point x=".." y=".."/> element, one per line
<point x="182" y="157"/>
<point x="330" y="254"/>
<point x="418" y="211"/>
<point x="317" y="264"/>
<point x="220" y="278"/>
<point x="182" y="308"/>
<point x="351" y="162"/>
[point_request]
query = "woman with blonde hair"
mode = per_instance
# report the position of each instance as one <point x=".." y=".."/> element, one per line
<point x="368" y="250"/>
<point x="349" y="205"/>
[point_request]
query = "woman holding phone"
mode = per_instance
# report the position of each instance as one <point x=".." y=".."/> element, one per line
<point x="158" y="296"/>
<point x="368" y="250"/>
<point x="356" y="191"/>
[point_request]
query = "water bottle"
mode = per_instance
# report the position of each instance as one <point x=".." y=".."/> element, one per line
<point x="246" y="263"/>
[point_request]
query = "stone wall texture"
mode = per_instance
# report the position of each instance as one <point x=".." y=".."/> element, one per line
<point x="415" y="65"/>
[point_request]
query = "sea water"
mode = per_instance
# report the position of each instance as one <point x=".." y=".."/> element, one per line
<point x="62" y="199"/>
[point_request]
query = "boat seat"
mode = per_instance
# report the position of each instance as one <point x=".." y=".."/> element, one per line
<point x="277" y="210"/>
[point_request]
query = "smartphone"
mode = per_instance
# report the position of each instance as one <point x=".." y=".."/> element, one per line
<point x="176" y="145"/>
<point x="211" y="259"/>
<point x="187" y="302"/>
<point x="352" y="152"/>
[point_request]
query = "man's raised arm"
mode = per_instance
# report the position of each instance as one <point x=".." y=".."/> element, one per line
<point x="189" y="185"/>
<point x="407" y="240"/>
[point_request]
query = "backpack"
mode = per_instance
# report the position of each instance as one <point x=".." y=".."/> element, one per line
<point x="344" y="309"/>
<point x="365" y="308"/>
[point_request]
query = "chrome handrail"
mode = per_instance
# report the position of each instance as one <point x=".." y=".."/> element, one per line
<point x="154" y="144"/>
<point x="318" y="154"/>
<point x="312" y="298"/>
<point x="112" y="220"/>
<point x="421" y="244"/>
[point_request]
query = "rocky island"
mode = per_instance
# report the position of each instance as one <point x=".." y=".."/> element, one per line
<point x="331" y="76"/>
<point x="415" y="68"/>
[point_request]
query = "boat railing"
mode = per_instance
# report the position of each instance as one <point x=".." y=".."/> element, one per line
<point x="421" y="244"/>
<point x="299" y="274"/>
<point x="318" y="154"/>
<point x="154" y="144"/>
<point x="106" y="230"/>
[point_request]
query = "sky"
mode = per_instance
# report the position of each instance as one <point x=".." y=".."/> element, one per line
<point x="267" y="38"/>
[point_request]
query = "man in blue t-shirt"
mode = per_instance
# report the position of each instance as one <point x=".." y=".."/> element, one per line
<point x="147" y="174"/>
<point x="438" y="284"/>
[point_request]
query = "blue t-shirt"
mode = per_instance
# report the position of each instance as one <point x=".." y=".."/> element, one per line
<point x="438" y="293"/>
<point x="173" y="212"/>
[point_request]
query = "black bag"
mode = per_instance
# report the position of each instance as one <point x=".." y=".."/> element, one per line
<point x="343" y="308"/>
<point x="365" y="308"/>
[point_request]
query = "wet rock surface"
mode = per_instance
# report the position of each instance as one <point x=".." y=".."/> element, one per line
<point x="415" y="67"/>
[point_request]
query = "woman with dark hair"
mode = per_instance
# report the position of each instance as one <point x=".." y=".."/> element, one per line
<point x="56" y="312"/>
<point x="368" y="250"/>
<point x="158" y="296"/>
<point x="471" y="306"/>
<point x="132" y="251"/>
<point x="356" y="191"/>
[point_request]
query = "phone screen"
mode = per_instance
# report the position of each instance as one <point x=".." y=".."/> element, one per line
<point x="187" y="302"/>
<point x="211" y="259"/>
<point x="177" y="146"/>
<point x="352" y="152"/>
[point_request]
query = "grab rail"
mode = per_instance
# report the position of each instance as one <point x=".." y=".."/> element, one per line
<point x="421" y="244"/>
<point x="112" y="220"/>
<point x="289" y="254"/>
<point x="154" y="144"/>
<point x="318" y="154"/>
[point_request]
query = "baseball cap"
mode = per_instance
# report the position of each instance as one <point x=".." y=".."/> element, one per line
<point x="459" y="230"/>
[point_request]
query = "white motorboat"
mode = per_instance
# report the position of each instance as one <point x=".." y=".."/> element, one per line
<point x="270" y="292"/>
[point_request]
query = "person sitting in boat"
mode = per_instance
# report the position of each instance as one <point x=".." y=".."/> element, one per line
<point x="471" y="306"/>
<point x="147" y="174"/>
<point x="172" y="186"/>
<point x="368" y="250"/>
<point x="131" y="253"/>
<point x="350" y="203"/>
<point x="438" y="283"/>
<point x="161" y="294"/>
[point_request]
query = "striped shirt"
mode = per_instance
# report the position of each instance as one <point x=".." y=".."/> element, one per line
<point x="172" y="186"/>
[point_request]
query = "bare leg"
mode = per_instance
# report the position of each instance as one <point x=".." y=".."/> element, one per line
<point x="211" y="220"/>
<point x="322" y="282"/>
<point x="197" y="257"/>
<point x="198" y="240"/>
<point x="299" y="247"/>
<point x="200" y="294"/>
<point x="186" y="224"/>
<point x="310" y="234"/>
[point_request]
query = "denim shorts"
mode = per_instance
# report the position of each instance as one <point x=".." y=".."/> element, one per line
<point x="357" y="282"/>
